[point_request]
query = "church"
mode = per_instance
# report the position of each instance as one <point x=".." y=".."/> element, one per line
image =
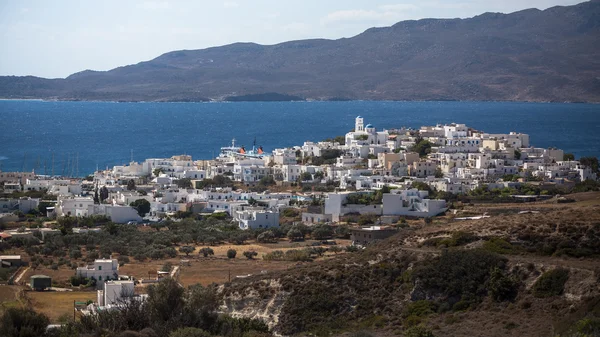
<point x="366" y="135"/>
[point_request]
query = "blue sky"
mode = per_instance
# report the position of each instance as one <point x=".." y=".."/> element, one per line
<point x="57" y="38"/>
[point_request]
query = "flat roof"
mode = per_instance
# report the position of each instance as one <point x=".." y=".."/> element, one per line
<point x="9" y="257"/>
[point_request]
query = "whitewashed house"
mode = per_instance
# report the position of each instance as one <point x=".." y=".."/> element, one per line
<point x="412" y="203"/>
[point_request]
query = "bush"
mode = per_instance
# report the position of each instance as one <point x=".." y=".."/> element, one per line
<point x="189" y="332"/>
<point x="17" y="322"/>
<point x="418" y="331"/>
<point x="502" y="287"/>
<point x="250" y="254"/>
<point x="419" y="308"/>
<point x="266" y="237"/>
<point x="290" y="213"/>
<point x="206" y="251"/>
<point x="499" y="246"/>
<point x="458" y="275"/>
<point x="551" y="283"/>
<point x="231" y="253"/>
<point x="458" y="239"/>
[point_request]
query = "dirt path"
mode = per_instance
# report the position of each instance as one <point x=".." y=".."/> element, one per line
<point x="18" y="278"/>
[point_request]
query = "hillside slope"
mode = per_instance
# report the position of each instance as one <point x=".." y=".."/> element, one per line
<point x="513" y="274"/>
<point x="530" y="55"/>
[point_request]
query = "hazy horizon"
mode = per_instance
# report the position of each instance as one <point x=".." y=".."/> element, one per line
<point x="56" y="39"/>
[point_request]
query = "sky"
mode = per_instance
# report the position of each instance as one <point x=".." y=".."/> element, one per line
<point x="54" y="39"/>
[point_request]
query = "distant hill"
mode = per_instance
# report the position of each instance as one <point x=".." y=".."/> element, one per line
<point x="530" y="55"/>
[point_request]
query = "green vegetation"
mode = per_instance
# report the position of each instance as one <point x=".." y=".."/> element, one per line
<point x="337" y="139"/>
<point x="551" y="283"/>
<point x="250" y="254"/>
<point x="499" y="246"/>
<point x="17" y="322"/>
<point x="503" y="287"/>
<point x="142" y="206"/>
<point x="422" y="147"/>
<point x="418" y="331"/>
<point x="206" y="251"/>
<point x="231" y="253"/>
<point x="216" y="181"/>
<point x="458" y="276"/>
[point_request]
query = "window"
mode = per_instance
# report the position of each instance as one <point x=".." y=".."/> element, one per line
<point x="99" y="278"/>
<point x="99" y="267"/>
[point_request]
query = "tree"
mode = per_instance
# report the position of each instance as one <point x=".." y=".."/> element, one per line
<point x="322" y="232"/>
<point x="305" y="176"/>
<point x="103" y="193"/>
<point x="131" y="185"/>
<point x="184" y="183"/>
<point x="96" y="195"/>
<point x="591" y="162"/>
<point x="250" y="254"/>
<point x="568" y="156"/>
<point x="294" y="234"/>
<point x="142" y="206"/>
<point x="517" y="154"/>
<point x="422" y="147"/>
<point x="157" y="171"/>
<point x="206" y="251"/>
<point x="231" y="253"/>
<point x="187" y="250"/>
<point x="17" y="322"/>
<point x="265" y="237"/>
<point x="439" y="173"/>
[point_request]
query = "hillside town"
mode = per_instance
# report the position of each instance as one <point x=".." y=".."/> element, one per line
<point x="410" y="167"/>
<point x="358" y="189"/>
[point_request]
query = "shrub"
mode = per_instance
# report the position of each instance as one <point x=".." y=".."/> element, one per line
<point x="419" y="308"/>
<point x="189" y="332"/>
<point x="17" y="322"/>
<point x="461" y="274"/>
<point x="266" y="237"/>
<point x="290" y="213"/>
<point x="418" y="331"/>
<point x="458" y="239"/>
<point x="206" y="251"/>
<point x="250" y="254"/>
<point x="231" y="253"/>
<point x="499" y="246"/>
<point x="551" y="283"/>
<point x="502" y="287"/>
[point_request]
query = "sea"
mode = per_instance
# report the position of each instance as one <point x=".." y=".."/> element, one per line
<point x="75" y="138"/>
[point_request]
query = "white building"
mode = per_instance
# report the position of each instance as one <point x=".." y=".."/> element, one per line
<point x="116" y="213"/>
<point x="114" y="292"/>
<point x="252" y="219"/>
<point x="365" y="134"/>
<point x="336" y="205"/>
<point x="102" y="270"/>
<point x="412" y="203"/>
<point x="73" y="206"/>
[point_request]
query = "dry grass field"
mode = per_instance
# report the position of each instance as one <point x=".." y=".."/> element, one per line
<point x="9" y="296"/>
<point x="57" y="304"/>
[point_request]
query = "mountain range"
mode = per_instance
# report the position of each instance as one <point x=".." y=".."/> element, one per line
<point x="531" y="55"/>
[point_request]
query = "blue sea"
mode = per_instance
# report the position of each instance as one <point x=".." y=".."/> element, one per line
<point x="103" y="134"/>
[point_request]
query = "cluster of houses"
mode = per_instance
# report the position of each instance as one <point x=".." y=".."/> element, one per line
<point x="458" y="160"/>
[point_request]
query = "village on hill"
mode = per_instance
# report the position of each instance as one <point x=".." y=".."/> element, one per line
<point x="288" y="206"/>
